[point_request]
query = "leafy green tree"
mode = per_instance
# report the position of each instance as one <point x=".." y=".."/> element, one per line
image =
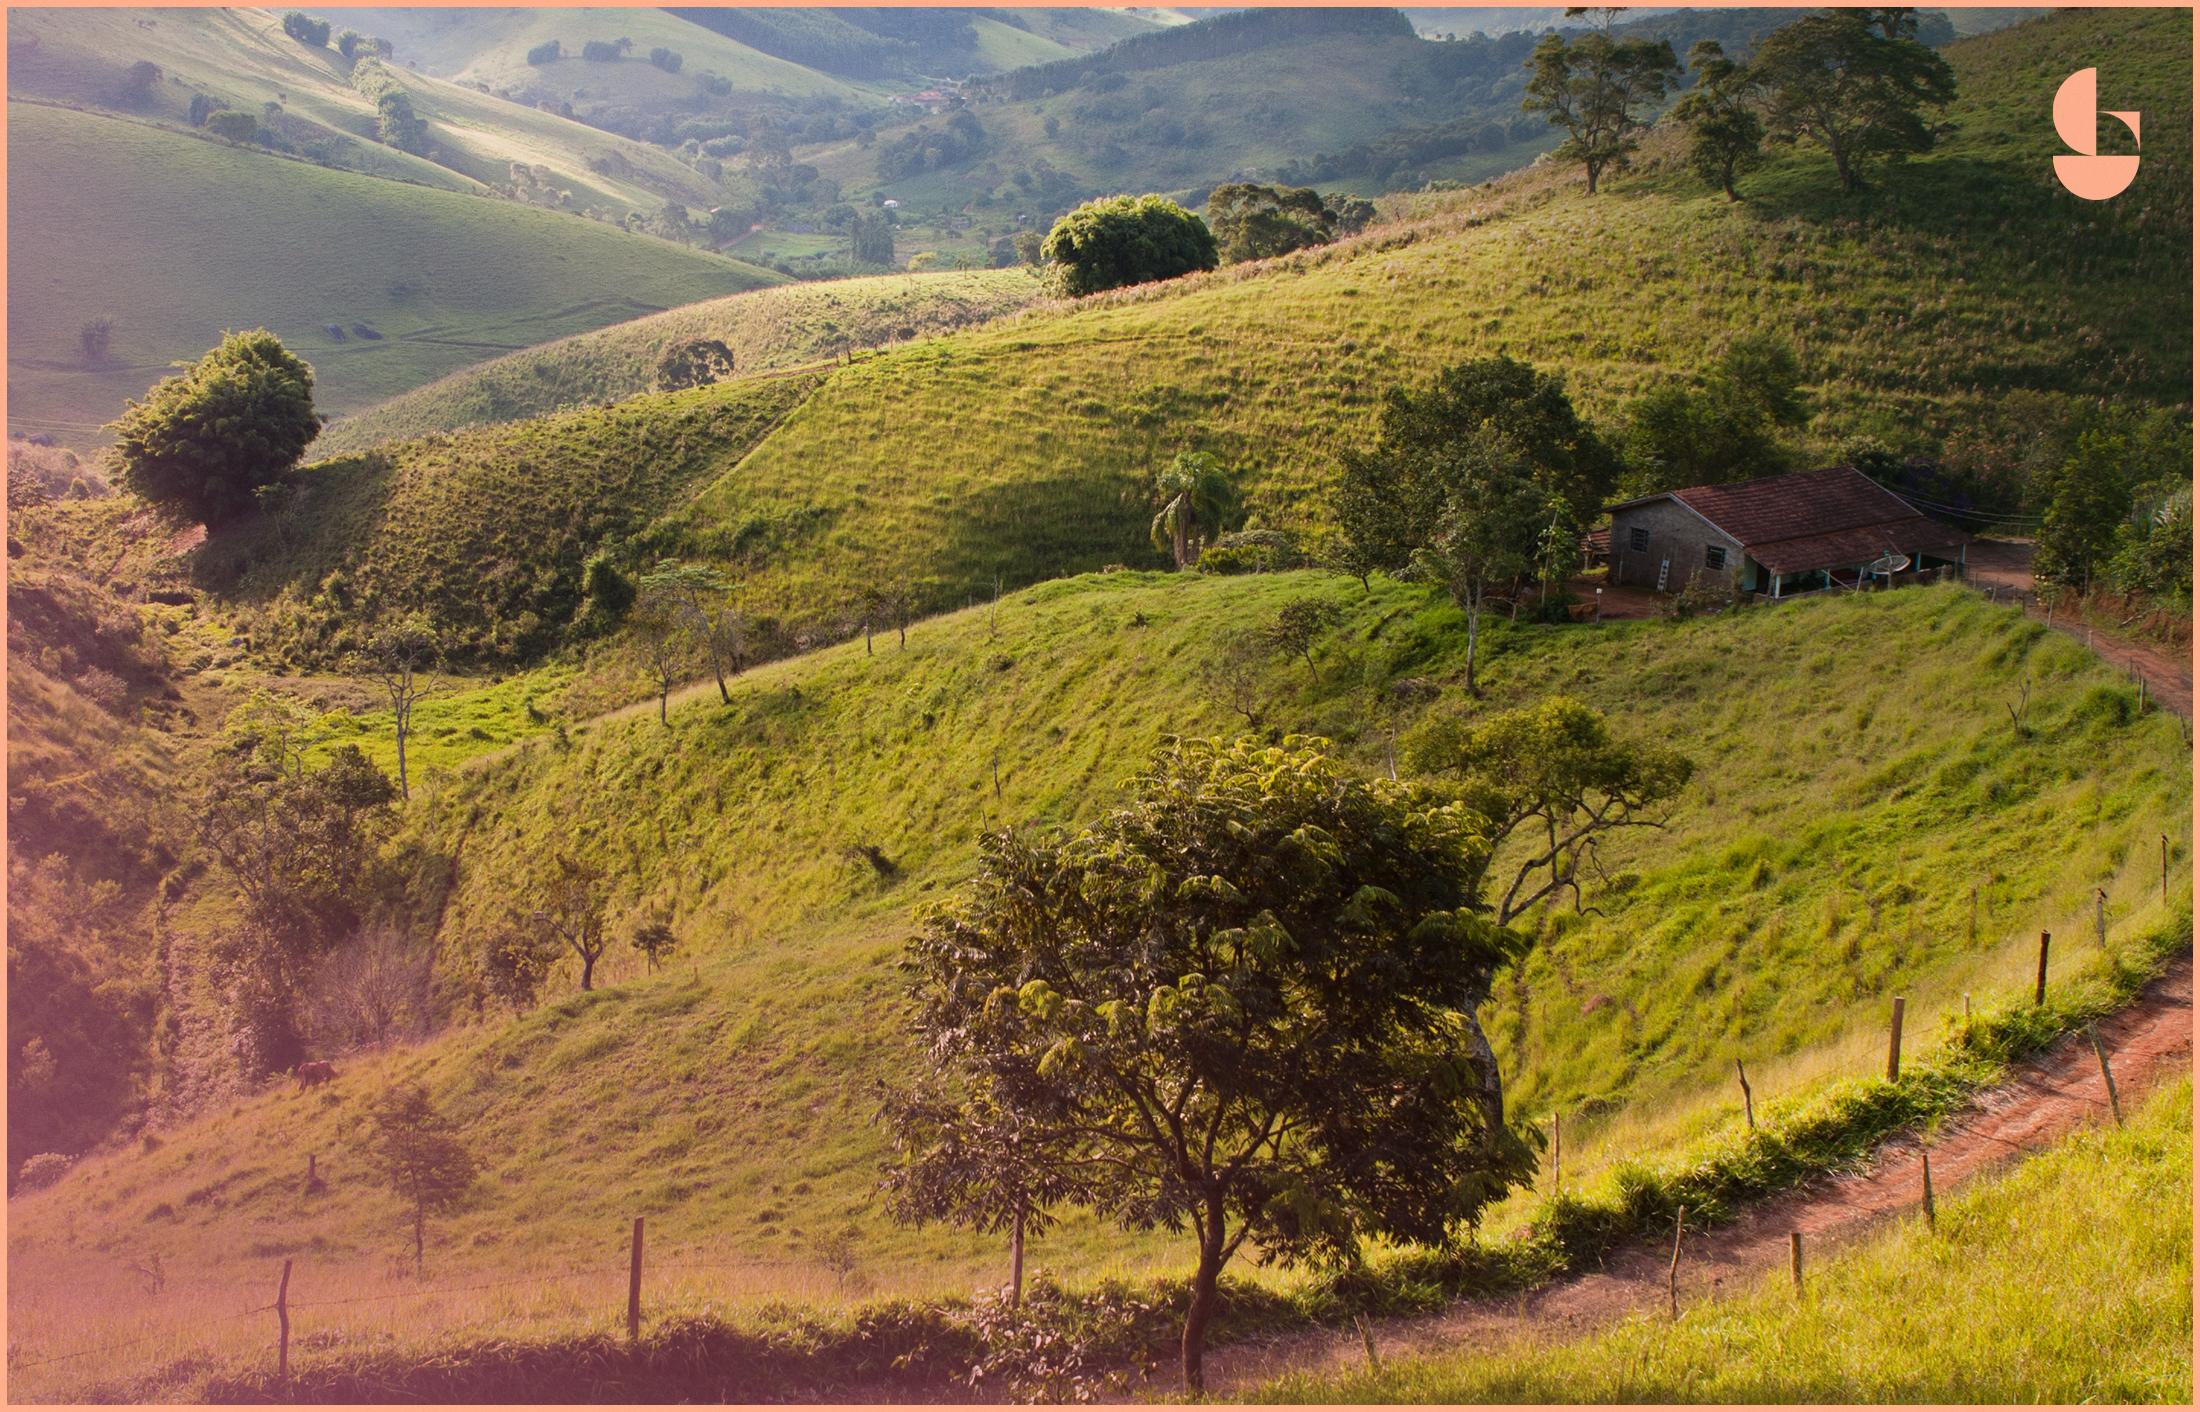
<point x="1123" y="240"/>
<point x="1353" y="215"/>
<point x="707" y="606"/>
<point x="872" y="239"/>
<point x="1728" y="430"/>
<point x="574" y="893"/>
<point x="1029" y="247"/>
<point x="413" y="1147"/>
<point x="406" y="660"/>
<point x="1389" y="500"/>
<point x="1196" y="496"/>
<point x="139" y="81"/>
<point x="1551" y="777"/>
<point x="655" y="940"/>
<point x="1244" y="1003"/>
<point x="1259" y="222"/>
<point x="232" y="125"/>
<point x="1725" y="136"/>
<point x="1299" y="624"/>
<point x="1600" y="90"/>
<point x="201" y="445"/>
<point x="1485" y="527"/>
<point x="305" y="29"/>
<point x="2083" y="503"/>
<point x="659" y="625"/>
<point x="1854" y="82"/>
<point x="696" y="362"/>
<point x="2154" y="548"/>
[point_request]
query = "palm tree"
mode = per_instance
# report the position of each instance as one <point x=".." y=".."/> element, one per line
<point x="1196" y="495"/>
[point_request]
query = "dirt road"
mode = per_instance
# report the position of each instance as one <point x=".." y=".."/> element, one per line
<point x="2044" y="1099"/>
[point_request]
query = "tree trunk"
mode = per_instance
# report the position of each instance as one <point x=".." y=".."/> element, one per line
<point x="1474" y="626"/>
<point x="1183" y="540"/>
<point x="1841" y="165"/>
<point x="663" y="698"/>
<point x="719" y="672"/>
<point x="588" y="971"/>
<point x="403" y="791"/>
<point x="1492" y="1095"/>
<point x="1202" y="1311"/>
<point x="1016" y="1264"/>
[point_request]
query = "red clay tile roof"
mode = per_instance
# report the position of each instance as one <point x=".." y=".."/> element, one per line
<point x="1817" y="519"/>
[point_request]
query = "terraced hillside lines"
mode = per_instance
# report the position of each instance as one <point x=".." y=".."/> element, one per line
<point x="488" y="530"/>
<point x="178" y="238"/>
<point x="783" y="326"/>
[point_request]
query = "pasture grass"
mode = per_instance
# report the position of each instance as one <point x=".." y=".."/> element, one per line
<point x="728" y="1098"/>
<point x="783" y="326"/>
<point x="2067" y="1278"/>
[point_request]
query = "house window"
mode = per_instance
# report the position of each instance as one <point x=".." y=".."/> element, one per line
<point x="1714" y="556"/>
<point x="1638" y="539"/>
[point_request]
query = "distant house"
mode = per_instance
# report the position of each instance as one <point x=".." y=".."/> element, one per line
<point x="1781" y="535"/>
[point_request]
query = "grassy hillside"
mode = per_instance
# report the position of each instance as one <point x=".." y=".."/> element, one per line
<point x="1824" y="853"/>
<point x="2085" y="1248"/>
<point x="494" y="525"/>
<point x="785" y="326"/>
<point x="253" y="239"/>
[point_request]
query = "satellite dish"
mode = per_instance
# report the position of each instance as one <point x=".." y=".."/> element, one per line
<point x="1888" y="564"/>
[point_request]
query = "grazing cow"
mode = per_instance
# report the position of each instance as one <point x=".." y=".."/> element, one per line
<point x="314" y="1071"/>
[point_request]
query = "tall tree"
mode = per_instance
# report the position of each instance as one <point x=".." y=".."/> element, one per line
<point x="1196" y="497"/>
<point x="1552" y="776"/>
<point x="574" y="893"/>
<point x="1854" y="82"/>
<point x="1485" y="530"/>
<point x="661" y="623"/>
<point x="413" y="1146"/>
<point x="406" y="659"/>
<point x="2083" y="503"/>
<point x="1243" y="1004"/>
<point x="1725" y="136"/>
<point x="1725" y="431"/>
<point x="1601" y="91"/>
<point x="1259" y="222"/>
<point x="202" y="444"/>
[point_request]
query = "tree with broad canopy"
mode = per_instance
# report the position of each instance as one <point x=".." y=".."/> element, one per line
<point x="1243" y="1004"/>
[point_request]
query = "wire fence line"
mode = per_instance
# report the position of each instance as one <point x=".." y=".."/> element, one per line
<point x="184" y="1331"/>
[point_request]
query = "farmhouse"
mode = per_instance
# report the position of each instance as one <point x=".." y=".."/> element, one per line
<point x="1781" y="535"/>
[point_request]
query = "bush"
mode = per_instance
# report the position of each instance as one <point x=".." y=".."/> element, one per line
<point x="547" y="52"/>
<point x="666" y="59"/>
<point x="1252" y="552"/>
<point x="232" y="124"/>
<point x="596" y="51"/>
<point x="238" y="419"/>
<point x="41" y="1171"/>
<point x="305" y="29"/>
<point x="201" y="106"/>
<point x="1126" y="240"/>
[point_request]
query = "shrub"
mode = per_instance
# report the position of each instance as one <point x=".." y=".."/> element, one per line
<point x="306" y="29"/>
<point x="201" y="105"/>
<point x="232" y="125"/>
<point x="1125" y="240"/>
<point x="547" y="52"/>
<point x="596" y="51"/>
<point x="666" y="59"/>
<point x="41" y="1171"/>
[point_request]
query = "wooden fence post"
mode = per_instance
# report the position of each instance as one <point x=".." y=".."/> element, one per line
<point x="2108" y="1080"/>
<point x="1795" y="1259"/>
<point x="282" y="1315"/>
<point x="1749" y="1105"/>
<point x="1673" y="1273"/>
<point x="1927" y="1159"/>
<point x="2165" y="867"/>
<point x="1894" y="1044"/>
<point x="2039" y="994"/>
<point x="634" y="1286"/>
<point x="2100" y="917"/>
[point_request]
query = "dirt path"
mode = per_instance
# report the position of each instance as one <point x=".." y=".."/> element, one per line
<point x="2004" y="566"/>
<point x="2044" y="1099"/>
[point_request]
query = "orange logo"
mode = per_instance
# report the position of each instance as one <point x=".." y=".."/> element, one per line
<point x="2094" y="177"/>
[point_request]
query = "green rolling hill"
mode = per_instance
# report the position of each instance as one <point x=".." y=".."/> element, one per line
<point x="783" y="326"/>
<point x="1959" y="299"/>
<point x="177" y="237"/>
